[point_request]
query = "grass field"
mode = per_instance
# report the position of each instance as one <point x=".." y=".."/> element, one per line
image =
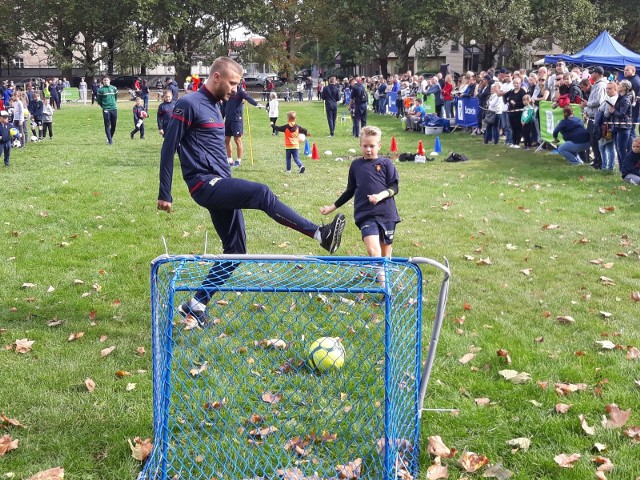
<point x="529" y="240"/>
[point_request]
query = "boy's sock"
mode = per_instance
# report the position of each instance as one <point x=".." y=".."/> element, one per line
<point x="230" y="160"/>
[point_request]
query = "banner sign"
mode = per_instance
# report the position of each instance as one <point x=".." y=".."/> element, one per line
<point x="467" y="111"/>
<point x="550" y="117"/>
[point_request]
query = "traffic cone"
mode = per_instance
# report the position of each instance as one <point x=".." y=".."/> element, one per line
<point x="437" y="148"/>
<point x="307" y="149"/>
<point x="314" y="152"/>
<point x="420" y="157"/>
<point x="394" y="145"/>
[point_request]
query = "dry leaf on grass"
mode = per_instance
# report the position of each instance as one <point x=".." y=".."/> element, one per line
<point x="514" y="376"/>
<point x="275" y="343"/>
<point x="4" y="420"/>
<point x="562" y="407"/>
<point x="604" y="464"/>
<point x="633" y="433"/>
<point x="106" y="351"/>
<point x="617" y="417"/>
<point x="437" y="470"/>
<point x="55" y="473"/>
<point x="606" y="344"/>
<point x="90" y="384"/>
<point x="504" y="353"/>
<point x="467" y="358"/>
<point x="498" y="471"/>
<point x="565" y="319"/>
<point x="520" y="443"/>
<point x="271" y="398"/>
<point x="23" y="345"/>
<point x="472" y="462"/>
<point x="437" y="448"/>
<point x="585" y="426"/>
<point x="567" y="388"/>
<point x="567" y="461"/>
<point x="633" y="353"/>
<point x="7" y="444"/>
<point x="351" y="471"/>
<point x="482" y="401"/>
<point x="142" y="448"/>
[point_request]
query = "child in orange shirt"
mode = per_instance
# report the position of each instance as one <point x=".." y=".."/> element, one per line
<point x="292" y="139"/>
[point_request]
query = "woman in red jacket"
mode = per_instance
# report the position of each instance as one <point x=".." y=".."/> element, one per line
<point x="447" y="96"/>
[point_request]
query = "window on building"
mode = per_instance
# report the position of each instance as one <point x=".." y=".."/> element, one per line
<point x="18" y="62"/>
<point x="455" y="47"/>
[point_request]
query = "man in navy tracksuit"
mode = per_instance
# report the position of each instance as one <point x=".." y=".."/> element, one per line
<point x="196" y="132"/>
<point x="359" y="105"/>
<point x="234" y="124"/>
<point x="331" y="96"/>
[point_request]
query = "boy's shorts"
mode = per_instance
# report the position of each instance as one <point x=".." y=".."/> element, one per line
<point x="384" y="231"/>
<point x="233" y="128"/>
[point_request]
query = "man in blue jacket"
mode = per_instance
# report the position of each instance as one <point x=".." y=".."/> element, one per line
<point x="331" y="96"/>
<point x="234" y="123"/>
<point x="196" y="131"/>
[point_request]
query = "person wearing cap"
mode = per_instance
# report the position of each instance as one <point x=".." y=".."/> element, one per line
<point x="5" y="136"/>
<point x="597" y="96"/>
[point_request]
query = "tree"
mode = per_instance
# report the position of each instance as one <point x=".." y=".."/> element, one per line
<point x="10" y="32"/>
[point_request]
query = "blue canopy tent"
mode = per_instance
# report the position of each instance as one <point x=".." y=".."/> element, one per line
<point x="605" y="51"/>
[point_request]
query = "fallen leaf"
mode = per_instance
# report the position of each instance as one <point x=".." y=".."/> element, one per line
<point x="275" y="343"/>
<point x="635" y="296"/>
<point x="565" y="319"/>
<point x="498" y="471"/>
<point x="482" y="401"/>
<point x="90" y="384"/>
<point x="75" y="336"/>
<point x="599" y="447"/>
<point x="606" y="280"/>
<point x="587" y="429"/>
<point x="29" y="285"/>
<point x="521" y="442"/>
<point x="7" y="444"/>
<point x="4" y="420"/>
<point x="472" y="462"/>
<point x="484" y="261"/>
<point x="351" y="471"/>
<point x="194" y="372"/>
<point x="606" y="344"/>
<point x="617" y="417"/>
<point x="140" y="351"/>
<point x="514" y="376"/>
<point x="271" y="398"/>
<point x="550" y="226"/>
<point x="567" y="388"/>
<point x="526" y="271"/>
<point x="437" y="470"/>
<point x="55" y="473"/>
<point x="106" y="351"/>
<point x="142" y="448"/>
<point x="23" y="345"/>
<point x="505" y="354"/>
<point x="567" y="461"/>
<point x="467" y="358"/>
<point x="437" y="448"/>
<point x="562" y="407"/>
<point x="605" y="314"/>
<point x="633" y="353"/>
<point x="130" y="387"/>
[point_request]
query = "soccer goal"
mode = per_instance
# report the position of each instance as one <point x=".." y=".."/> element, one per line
<point x="301" y="368"/>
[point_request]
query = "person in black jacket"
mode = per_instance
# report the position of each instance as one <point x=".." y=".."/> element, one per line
<point x="513" y="99"/>
<point x="331" y="96"/>
<point x="359" y="105"/>
<point x="630" y="165"/>
<point x="94" y="90"/>
<point x="35" y="109"/>
<point x="5" y="136"/>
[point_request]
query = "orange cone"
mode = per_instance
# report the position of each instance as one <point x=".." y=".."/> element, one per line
<point x="314" y="152"/>
<point x="420" y="148"/>
<point x="394" y="145"/>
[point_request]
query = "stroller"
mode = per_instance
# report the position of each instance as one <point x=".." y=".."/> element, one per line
<point x="133" y="94"/>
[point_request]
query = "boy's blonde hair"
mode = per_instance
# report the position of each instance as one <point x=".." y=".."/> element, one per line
<point x="291" y="115"/>
<point x="273" y="95"/>
<point x="526" y="98"/>
<point x="370" y="132"/>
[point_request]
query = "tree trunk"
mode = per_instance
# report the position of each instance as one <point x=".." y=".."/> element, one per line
<point x="384" y="67"/>
<point x="489" y="55"/>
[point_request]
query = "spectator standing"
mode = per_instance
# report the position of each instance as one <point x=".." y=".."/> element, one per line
<point x="527" y="120"/>
<point x="94" y="90"/>
<point x="19" y="109"/>
<point x="108" y="100"/>
<point x="5" y="137"/>
<point x="47" y="120"/>
<point x="604" y="129"/>
<point x="492" y="116"/>
<point x="331" y="97"/>
<point x="82" y="91"/>
<point x="514" y="101"/>
<point x="309" y="87"/>
<point x="622" y="117"/>
<point x="382" y="96"/>
<point x="35" y="109"/>
<point x="144" y="93"/>
<point x="447" y="96"/>
<point x="172" y="85"/>
<point x="630" y="74"/>
<point x="597" y="95"/>
<point x="300" y="91"/>
<point x="506" y="86"/>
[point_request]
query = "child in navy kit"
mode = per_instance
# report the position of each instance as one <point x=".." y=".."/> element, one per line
<point x="139" y="114"/>
<point x="5" y="136"/>
<point x="372" y="182"/>
<point x="165" y="110"/>
<point x="292" y="133"/>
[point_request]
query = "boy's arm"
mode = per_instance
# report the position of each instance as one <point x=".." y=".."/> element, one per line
<point x="303" y="130"/>
<point x="389" y="192"/>
<point x="279" y="129"/>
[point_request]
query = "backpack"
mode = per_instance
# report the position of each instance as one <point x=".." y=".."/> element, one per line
<point x="364" y="96"/>
<point x="456" y="157"/>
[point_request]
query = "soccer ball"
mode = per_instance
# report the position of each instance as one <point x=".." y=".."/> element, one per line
<point x="143" y="114"/>
<point x="302" y="137"/>
<point x="14" y="133"/>
<point x="328" y="152"/>
<point x="326" y="353"/>
<point x="34" y="138"/>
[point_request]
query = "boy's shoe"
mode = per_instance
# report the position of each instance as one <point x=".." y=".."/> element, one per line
<point x="236" y="163"/>
<point x="331" y="234"/>
<point x="287" y="172"/>
<point x="301" y="169"/>
<point x="198" y="312"/>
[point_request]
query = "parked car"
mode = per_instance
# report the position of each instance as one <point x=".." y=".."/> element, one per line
<point x="124" y="81"/>
<point x="260" y="80"/>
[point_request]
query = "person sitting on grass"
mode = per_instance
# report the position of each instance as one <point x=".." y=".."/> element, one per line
<point x="373" y="183"/>
<point x="630" y="165"/>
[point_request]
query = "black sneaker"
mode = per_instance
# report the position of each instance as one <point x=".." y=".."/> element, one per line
<point x="198" y="313"/>
<point x="301" y="170"/>
<point x="332" y="233"/>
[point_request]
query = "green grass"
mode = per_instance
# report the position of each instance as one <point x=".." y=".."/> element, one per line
<point x="77" y="209"/>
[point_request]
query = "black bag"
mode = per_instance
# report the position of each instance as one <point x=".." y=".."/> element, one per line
<point x="490" y="117"/>
<point x="456" y="157"/>
<point x="407" y="157"/>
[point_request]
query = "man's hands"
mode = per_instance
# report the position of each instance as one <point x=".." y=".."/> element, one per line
<point x="164" y="205"/>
